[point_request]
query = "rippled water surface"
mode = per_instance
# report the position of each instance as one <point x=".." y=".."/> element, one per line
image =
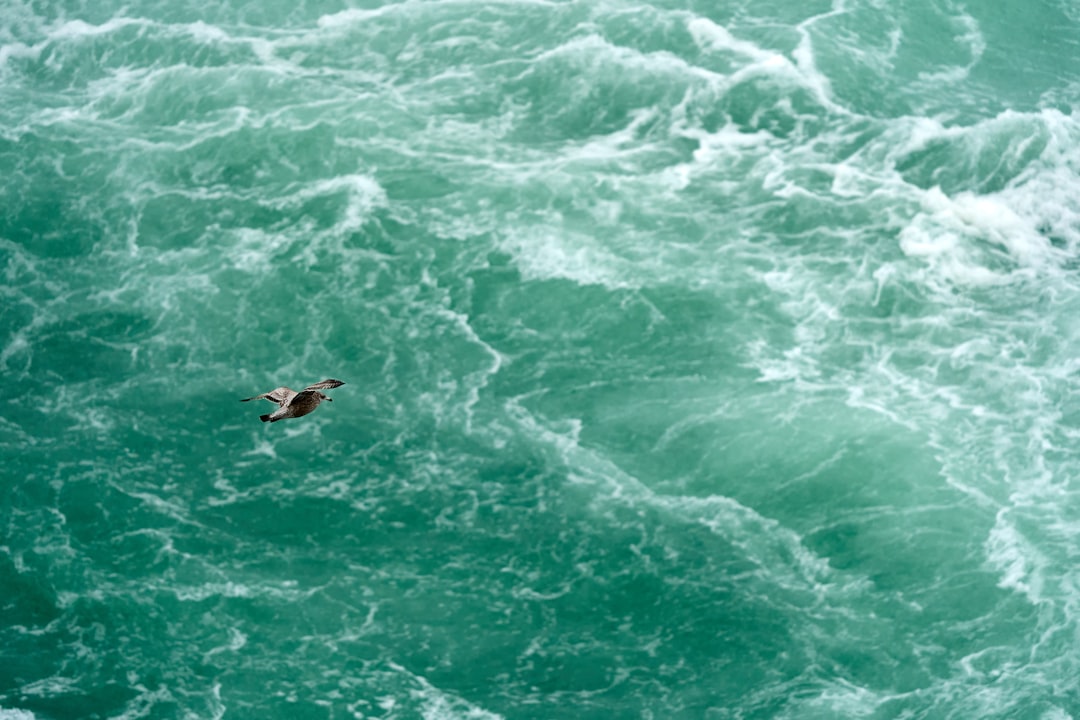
<point x="702" y="360"/>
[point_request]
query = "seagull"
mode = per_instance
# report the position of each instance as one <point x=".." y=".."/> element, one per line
<point x="292" y="404"/>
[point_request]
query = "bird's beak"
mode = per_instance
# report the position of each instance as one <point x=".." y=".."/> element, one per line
<point x="329" y="399"/>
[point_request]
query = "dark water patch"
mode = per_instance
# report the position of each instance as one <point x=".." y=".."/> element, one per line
<point x="175" y="222"/>
<point x="96" y="513"/>
<point x="24" y="658"/>
<point x="76" y="357"/>
<point x="108" y="325"/>
<point x="30" y="600"/>
<point x="288" y="520"/>
<point x="97" y="685"/>
<point x="599" y="595"/>
<point x="48" y="216"/>
<point x="412" y="184"/>
<point x="88" y="345"/>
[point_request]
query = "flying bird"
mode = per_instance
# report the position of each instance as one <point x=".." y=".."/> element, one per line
<point x="292" y="404"/>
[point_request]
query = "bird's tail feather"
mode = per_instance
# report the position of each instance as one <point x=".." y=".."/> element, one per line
<point x="264" y="418"/>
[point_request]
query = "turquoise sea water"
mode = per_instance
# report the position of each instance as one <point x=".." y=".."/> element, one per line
<point x="703" y="360"/>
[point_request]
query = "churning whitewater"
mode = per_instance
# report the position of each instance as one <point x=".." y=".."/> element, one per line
<point x="704" y="360"/>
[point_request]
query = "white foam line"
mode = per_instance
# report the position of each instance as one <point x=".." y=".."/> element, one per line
<point x="821" y="467"/>
<point x="1019" y="562"/>
<point x="723" y="516"/>
<point x="976" y="45"/>
<point x="198" y="30"/>
<point x="589" y="48"/>
<point x="365" y="195"/>
<point x="545" y="253"/>
<point x="286" y="590"/>
<point x="707" y="34"/>
<point x="690" y="422"/>
<point x="16" y="714"/>
<point x="803" y="54"/>
<point x="237" y="640"/>
<point x="79" y="28"/>
<point x="344" y="19"/>
<point x="481" y="377"/>
<point x="441" y="704"/>
<point x="51" y="687"/>
<point x="18" y="50"/>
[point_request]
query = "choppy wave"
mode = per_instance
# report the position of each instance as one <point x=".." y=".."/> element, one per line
<point x="701" y="362"/>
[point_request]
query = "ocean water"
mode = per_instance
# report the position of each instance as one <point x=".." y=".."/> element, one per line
<point x="702" y="360"/>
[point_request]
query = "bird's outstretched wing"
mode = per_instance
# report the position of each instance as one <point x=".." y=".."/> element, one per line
<point x="324" y="385"/>
<point x="281" y="396"/>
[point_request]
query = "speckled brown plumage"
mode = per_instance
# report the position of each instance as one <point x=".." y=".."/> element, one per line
<point x="292" y="404"/>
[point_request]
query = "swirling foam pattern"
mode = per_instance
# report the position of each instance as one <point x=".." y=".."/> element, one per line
<point x="703" y="360"/>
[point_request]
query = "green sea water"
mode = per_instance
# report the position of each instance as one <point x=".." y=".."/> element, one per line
<point x="702" y="359"/>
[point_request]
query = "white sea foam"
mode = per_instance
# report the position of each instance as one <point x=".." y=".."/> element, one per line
<point x="803" y="72"/>
<point x="50" y="686"/>
<point x="951" y="234"/>
<point x="207" y="33"/>
<point x="435" y="703"/>
<point x="1020" y="564"/>
<point x="994" y="220"/>
<point x="591" y="51"/>
<point x="708" y="34"/>
<point x="18" y="51"/>
<point x="344" y="19"/>
<point x="552" y="252"/>
<point x="255" y="249"/>
<point x="478" y="379"/>
<point x="992" y="238"/>
<point x="791" y="364"/>
<point x="363" y="192"/>
<point x="73" y="29"/>
<point x="986" y="384"/>
<point x="237" y="640"/>
<point x="728" y="146"/>
<point x="806" y="62"/>
<point x="839" y="698"/>
<point x="16" y="715"/>
<point x="286" y="590"/>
